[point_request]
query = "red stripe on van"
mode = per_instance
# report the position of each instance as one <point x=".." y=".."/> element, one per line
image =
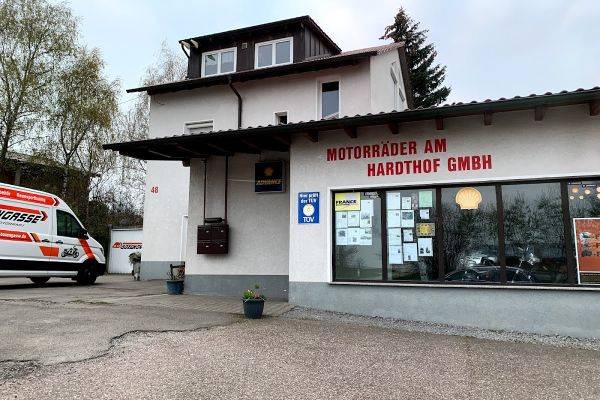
<point x="27" y="197"/>
<point x="87" y="249"/>
<point x="25" y="210"/>
<point x="15" y="236"/>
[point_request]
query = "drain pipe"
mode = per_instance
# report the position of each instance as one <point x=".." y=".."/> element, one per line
<point x="239" y="117"/>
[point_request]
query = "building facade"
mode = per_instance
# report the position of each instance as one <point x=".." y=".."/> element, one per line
<point x="480" y="214"/>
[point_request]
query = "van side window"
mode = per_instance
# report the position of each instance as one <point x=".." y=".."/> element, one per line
<point x="67" y="225"/>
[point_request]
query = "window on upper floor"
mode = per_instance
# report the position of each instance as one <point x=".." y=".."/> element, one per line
<point x="196" y="127"/>
<point x="219" y="62"/>
<point x="273" y="52"/>
<point x="330" y="99"/>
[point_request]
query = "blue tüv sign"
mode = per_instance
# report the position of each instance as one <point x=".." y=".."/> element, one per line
<point x="308" y="208"/>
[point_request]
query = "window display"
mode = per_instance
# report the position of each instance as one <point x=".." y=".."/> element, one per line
<point x="508" y="233"/>
<point x="358" y="236"/>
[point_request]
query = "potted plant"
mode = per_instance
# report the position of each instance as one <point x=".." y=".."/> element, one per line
<point x="254" y="302"/>
<point x="135" y="259"/>
<point x="175" y="279"/>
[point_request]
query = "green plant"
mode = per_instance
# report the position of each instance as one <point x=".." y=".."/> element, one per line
<point x="176" y="274"/>
<point x="135" y="257"/>
<point x="253" y="294"/>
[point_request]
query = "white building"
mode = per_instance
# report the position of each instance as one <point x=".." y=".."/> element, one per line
<point x="481" y="214"/>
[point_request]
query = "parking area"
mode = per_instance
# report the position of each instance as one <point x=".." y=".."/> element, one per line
<point x="122" y="339"/>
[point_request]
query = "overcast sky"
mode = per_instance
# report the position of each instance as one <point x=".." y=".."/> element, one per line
<point x="492" y="48"/>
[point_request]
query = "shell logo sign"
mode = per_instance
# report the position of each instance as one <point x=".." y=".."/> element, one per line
<point x="468" y="198"/>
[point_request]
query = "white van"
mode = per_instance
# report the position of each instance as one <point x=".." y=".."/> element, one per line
<point x="40" y="238"/>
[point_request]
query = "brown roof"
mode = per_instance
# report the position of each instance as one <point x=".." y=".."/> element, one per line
<point x="277" y="137"/>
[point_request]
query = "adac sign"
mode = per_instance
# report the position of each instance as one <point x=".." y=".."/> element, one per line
<point x="269" y="177"/>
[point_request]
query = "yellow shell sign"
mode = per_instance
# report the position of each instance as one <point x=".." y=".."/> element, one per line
<point x="347" y="202"/>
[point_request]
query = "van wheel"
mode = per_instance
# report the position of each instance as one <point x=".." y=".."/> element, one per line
<point x="40" y="280"/>
<point x="87" y="275"/>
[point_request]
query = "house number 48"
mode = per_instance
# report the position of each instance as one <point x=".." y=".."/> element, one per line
<point x="154" y="189"/>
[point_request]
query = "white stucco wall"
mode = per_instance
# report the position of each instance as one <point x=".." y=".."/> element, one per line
<point x="565" y="143"/>
<point x="382" y="86"/>
<point x="297" y="94"/>
<point x="258" y="222"/>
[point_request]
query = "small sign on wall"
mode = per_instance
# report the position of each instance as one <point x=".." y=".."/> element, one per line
<point x="308" y="208"/>
<point x="269" y="177"/>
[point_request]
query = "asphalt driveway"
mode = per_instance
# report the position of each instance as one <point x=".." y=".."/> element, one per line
<point x="120" y="340"/>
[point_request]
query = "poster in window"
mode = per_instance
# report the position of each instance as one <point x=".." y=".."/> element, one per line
<point x="393" y="219"/>
<point x="407" y="235"/>
<point x="341" y="219"/>
<point x="408" y="218"/>
<point x="394" y="237"/>
<point x="395" y="255"/>
<point x="426" y="199"/>
<point x="425" y="247"/>
<point x="426" y="229"/>
<point x="424" y="213"/>
<point x="393" y="200"/>
<point x="587" y="249"/>
<point x="407" y="203"/>
<point x="353" y="218"/>
<point x="353" y="236"/>
<point x="341" y="237"/>
<point x="347" y="201"/>
<point x="410" y="252"/>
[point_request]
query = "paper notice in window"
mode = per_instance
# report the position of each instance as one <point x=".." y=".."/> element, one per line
<point x="393" y="200"/>
<point x="353" y="236"/>
<point x="395" y="255"/>
<point x="393" y="219"/>
<point x="407" y="235"/>
<point x="407" y="218"/>
<point x="426" y="199"/>
<point x="410" y="252"/>
<point x="366" y="237"/>
<point x="341" y="219"/>
<point x="425" y="247"/>
<point x="424" y="214"/>
<point x="353" y="218"/>
<point x="394" y="237"/>
<point x="406" y="203"/>
<point x="341" y="237"/>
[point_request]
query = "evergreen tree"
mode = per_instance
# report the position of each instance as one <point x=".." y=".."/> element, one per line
<point x="425" y="77"/>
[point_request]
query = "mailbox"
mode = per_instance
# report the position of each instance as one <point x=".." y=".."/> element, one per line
<point x="213" y="239"/>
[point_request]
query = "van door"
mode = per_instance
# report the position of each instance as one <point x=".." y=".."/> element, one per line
<point x="72" y="247"/>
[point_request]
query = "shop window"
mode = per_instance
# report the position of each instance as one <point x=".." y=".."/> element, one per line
<point x="358" y="243"/>
<point x="330" y="100"/>
<point x="411" y="244"/>
<point x="219" y="62"/>
<point x="274" y="52"/>
<point x="470" y="233"/>
<point x="534" y="233"/>
<point x="584" y="209"/>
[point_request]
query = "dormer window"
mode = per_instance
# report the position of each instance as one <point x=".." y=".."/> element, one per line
<point x="219" y="62"/>
<point x="274" y="52"/>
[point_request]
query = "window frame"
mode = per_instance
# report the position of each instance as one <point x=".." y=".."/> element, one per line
<point x="320" y="83"/>
<point x="219" y="53"/>
<point x="572" y="280"/>
<point x="273" y="44"/>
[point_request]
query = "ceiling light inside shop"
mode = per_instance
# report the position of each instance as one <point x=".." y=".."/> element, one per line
<point x="573" y="197"/>
<point x="580" y="197"/>
<point x="575" y="190"/>
<point x="587" y="191"/>
<point x="598" y="195"/>
<point x="468" y="198"/>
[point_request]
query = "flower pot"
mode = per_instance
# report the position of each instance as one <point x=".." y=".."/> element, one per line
<point x="253" y="308"/>
<point x="174" y="287"/>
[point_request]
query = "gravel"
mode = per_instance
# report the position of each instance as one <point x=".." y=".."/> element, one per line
<point x="443" y="329"/>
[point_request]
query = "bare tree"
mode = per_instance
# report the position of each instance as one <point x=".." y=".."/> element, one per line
<point x="35" y="37"/>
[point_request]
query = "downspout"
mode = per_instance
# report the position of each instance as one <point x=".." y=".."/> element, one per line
<point x="239" y="125"/>
<point x="239" y="117"/>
